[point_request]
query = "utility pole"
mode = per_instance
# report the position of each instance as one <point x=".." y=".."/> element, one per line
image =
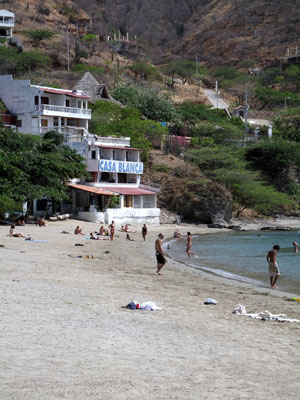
<point x="246" y="115"/>
<point x="68" y="49"/>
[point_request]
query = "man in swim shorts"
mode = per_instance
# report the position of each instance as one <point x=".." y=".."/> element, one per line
<point x="274" y="272"/>
<point x="159" y="253"/>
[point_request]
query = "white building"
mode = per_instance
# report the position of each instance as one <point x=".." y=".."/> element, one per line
<point x="7" y="22"/>
<point x="41" y="109"/>
<point x="116" y="172"/>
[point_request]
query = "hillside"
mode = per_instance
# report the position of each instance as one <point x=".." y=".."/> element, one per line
<point x="218" y="31"/>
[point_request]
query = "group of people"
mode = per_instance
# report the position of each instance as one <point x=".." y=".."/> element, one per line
<point x="111" y="232"/>
<point x="161" y="260"/>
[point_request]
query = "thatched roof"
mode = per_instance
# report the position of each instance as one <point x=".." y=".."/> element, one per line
<point x="90" y="86"/>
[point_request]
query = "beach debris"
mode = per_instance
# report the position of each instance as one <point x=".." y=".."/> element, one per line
<point x="2" y="245"/>
<point x="296" y="299"/>
<point x="209" y="300"/>
<point x="263" y="315"/>
<point x="78" y="244"/>
<point x="66" y="232"/>
<point x="148" y="305"/>
<point x="106" y="252"/>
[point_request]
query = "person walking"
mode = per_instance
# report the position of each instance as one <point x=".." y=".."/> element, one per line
<point x="159" y="253"/>
<point x="144" y="231"/>
<point x="274" y="272"/>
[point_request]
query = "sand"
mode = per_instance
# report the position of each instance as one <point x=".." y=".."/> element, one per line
<point x="65" y="335"/>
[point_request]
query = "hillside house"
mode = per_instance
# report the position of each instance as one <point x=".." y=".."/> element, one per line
<point x="7" y="23"/>
<point x="41" y="109"/>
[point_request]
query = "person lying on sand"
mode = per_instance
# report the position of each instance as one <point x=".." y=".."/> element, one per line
<point x="78" y="231"/>
<point x="93" y="237"/>
<point x="126" y="229"/>
<point x="12" y="234"/>
<point x="129" y="238"/>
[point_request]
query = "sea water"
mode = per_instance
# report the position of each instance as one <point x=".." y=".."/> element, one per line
<point x="242" y="256"/>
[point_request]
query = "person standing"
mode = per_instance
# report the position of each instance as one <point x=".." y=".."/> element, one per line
<point x="295" y="245"/>
<point x="189" y="245"/>
<point x="159" y="253"/>
<point x="112" y="228"/>
<point x="144" y="231"/>
<point x="274" y="272"/>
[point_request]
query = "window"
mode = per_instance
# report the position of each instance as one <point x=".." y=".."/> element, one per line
<point x="36" y="100"/>
<point x="67" y="103"/>
<point x="93" y="154"/>
<point x="55" y="121"/>
<point x="122" y="178"/>
<point x="44" y="122"/>
<point x="128" y="201"/>
<point x="79" y="104"/>
<point x="44" y="100"/>
<point x="62" y="121"/>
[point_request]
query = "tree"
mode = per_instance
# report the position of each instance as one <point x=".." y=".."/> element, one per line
<point x="141" y="132"/>
<point x="34" y="167"/>
<point x="228" y="167"/>
<point x="37" y="35"/>
<point x="151" y="103"/>
<point x="144" y="70"/>
<point x="185" y="69"/>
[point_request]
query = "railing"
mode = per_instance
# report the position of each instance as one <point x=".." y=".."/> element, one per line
<point x="71" y="110"/>
<point x="114" y="141"/>
<point x="11" y="22"/>
<point x="71" y="134"/>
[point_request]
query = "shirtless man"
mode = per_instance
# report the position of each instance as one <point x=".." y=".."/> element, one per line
<point x="189" y="245"/>
<point x="112" y="228"/>
<point x="159" y="253"/>
<point x="274" y="272"/>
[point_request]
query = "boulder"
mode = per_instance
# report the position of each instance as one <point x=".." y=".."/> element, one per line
<point x="208" y="203"/>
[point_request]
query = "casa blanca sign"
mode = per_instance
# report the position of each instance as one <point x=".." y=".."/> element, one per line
<point x="124" y="167"/>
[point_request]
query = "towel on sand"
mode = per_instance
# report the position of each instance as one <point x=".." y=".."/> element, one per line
<point x="263" y="315"/>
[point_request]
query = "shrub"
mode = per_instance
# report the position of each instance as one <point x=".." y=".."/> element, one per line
<point x="160" y="168"/>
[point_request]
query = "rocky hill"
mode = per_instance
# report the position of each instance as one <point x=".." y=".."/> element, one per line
<point x="218" y="31"/>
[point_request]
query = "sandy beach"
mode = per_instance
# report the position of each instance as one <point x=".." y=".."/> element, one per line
<point x="65" y="335"/>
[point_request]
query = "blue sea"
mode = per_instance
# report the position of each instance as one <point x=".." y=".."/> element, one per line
<point x="242" y="256"/>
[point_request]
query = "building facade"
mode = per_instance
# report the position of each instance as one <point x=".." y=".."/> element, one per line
<point x="114" y="191"/>
<point x="42" y="109"/>
<point x="7" y="23"/>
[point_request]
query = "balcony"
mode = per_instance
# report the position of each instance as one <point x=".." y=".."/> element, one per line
<point x="60" y="111"/>
<point x="7" y="23"/>
<point x="71" y="134"/>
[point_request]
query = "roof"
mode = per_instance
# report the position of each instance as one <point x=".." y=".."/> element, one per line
<point x="62" y="91"/>
<point x="97" y="91"/>
<point x="6" y="13"/>
<point x="90" y="189"/>
<point x="130" y="191"/>
<point x="116" y="147"/>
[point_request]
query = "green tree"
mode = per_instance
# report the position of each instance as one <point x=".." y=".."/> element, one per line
<point x="34" y="167"/>
<point x="37" y="35"/>
<point x="151" y="103"/>
<point x="141" y="132"/>
<point x="228" y="167"/>
<point x="144" y="70"/>
<point x="185" y="69"/>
